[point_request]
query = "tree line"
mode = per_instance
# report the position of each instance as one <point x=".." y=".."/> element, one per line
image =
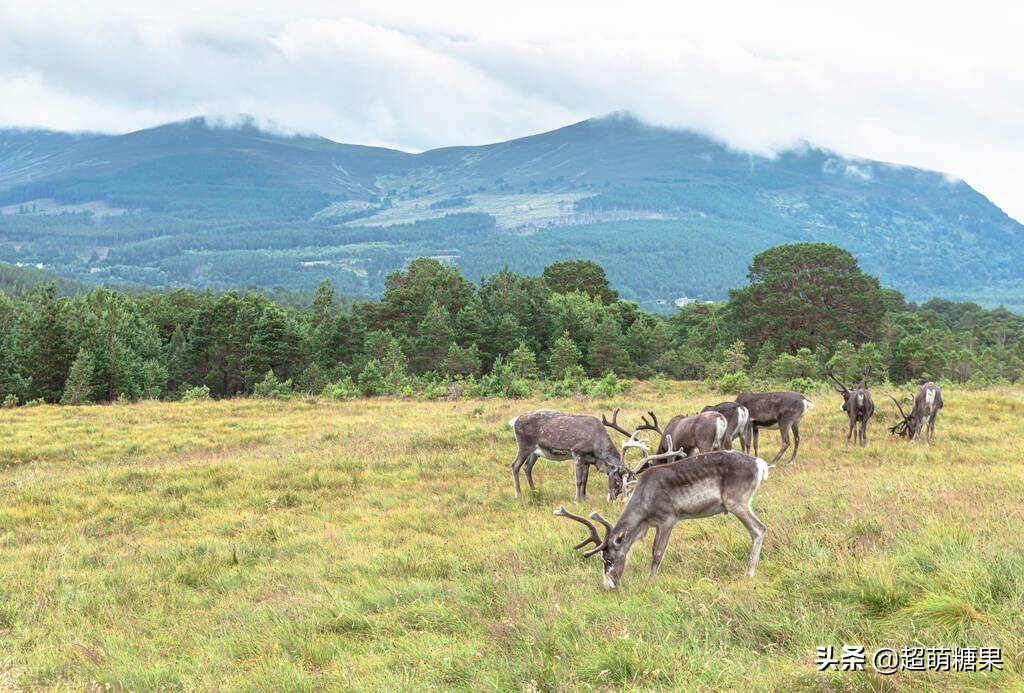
<point x="434" y="333"/>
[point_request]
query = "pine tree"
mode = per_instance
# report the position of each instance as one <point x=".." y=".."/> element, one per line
<point x="42" y="352"/>
<point x="564" y="355"/>
<point x="78" y="388"/>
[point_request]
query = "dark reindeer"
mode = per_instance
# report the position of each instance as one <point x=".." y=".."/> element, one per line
<point x="558" y="436"/>
<point x="858" y="405"/>
<point x="736" y="416"/>
<point x="716" y="482"/>
<point x="689" y="435"/>
<point x="927" y="404"/>
<point x="781" y="410"/>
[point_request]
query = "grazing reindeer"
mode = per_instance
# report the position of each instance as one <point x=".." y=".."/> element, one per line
<point x="858" y="405"/>
<point x="557" y="436"/>
<point x="716" y="482"/>
<point x="781" y="410"/>
<point x="736" y="416"/>
<point x="690" y="434"/>
<point x="927" y="404"/>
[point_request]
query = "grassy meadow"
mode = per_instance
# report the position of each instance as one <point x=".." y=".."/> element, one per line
<point x="378" y="544"/>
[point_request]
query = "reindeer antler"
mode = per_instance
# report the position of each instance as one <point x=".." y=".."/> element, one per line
<point x="900" y="427"/>
<point x="647" y="425"/>
<point x="607" y="525"/>
<point x="635" y="442"/>
<point x="648" y="461"/>
<point x="599" y="543"/>
<point x="902" y="413"/>
<point x="829" y="371"/>
<point x="613" y="424"/>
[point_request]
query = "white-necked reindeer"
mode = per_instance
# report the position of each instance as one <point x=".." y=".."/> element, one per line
<point x="736" y="417"/>
<point x="921" y="418"/>
<point x="708" y="484"/>
<point x="857" y="404"/>
<point x="689" y="435"/>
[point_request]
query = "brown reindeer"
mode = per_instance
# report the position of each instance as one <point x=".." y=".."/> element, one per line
<point x="716" y="482"/>
<point x="781" y="410"/>
<point x="559" y="436"/>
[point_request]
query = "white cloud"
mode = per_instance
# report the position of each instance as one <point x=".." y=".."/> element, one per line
<point x="934" y="85"/>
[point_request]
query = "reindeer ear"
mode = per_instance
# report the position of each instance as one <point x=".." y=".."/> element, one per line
<point x="619" y="538"/>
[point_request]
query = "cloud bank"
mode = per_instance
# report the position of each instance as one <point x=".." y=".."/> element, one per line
<point x="935" y="86"/>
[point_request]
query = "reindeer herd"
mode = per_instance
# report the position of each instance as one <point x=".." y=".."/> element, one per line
<point x="694" y="472"/>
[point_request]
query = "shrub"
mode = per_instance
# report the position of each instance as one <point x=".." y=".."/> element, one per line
<point x="200" y="392"/>
<point x="272" y="387"/>
<point x="609" y="386"/>
<point x="803" y="385"/>
<point x="342" y="389"/>
<point x="734" y="383"/>
<point x="574" y="381"/>
<point x="378" y="378"/>
<point x="503" y="381"/>
<point x="371" y="379"/>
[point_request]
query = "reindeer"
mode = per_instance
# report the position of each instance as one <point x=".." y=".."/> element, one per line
<point x="927" y="404"/>
<point x="736" y="415"/>
<point x="692" y="434"/>
<point x="558" y="436"/>
<point x="857" y="404"/>
<point x="781" y="410"/>
<point x="715" y="482"/>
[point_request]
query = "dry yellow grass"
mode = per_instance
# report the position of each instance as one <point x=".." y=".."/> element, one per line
<point x="378" y="544"/>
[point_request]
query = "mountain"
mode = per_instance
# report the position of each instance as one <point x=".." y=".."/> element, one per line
<point x="668" y="213"/>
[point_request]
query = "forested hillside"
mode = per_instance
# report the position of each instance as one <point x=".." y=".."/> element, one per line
<point x="436" y="334"/>
<point x="667" y="213"/>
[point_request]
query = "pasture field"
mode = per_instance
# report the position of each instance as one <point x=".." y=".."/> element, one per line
<point x="378" y="545"/>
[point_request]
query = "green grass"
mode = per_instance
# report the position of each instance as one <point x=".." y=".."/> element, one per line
<point x="379" y="545"/>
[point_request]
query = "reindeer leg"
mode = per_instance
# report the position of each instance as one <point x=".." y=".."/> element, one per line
<point x="757" y="435"/>
<point x="517" y="465"/>
<point x="796" y="441"/>
<point x="528" y="469"/>
<point x="784" y="432"/>
<point x="853" y="424"/>
<point x="757" y="530"/>
<point x="745" y="436"/>
<point x="661" y="536"/>
<point x="582" y="472"/>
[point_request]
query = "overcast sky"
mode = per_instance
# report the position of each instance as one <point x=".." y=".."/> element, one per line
<point x="930" y="84"/>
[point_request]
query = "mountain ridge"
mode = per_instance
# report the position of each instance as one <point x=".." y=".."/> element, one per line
<point x="198" y="203"/>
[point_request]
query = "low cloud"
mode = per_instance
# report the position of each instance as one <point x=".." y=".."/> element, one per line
<point x="941" y="91"/>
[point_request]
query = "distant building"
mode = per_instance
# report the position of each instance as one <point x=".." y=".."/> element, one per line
<point x="684" y="301"/>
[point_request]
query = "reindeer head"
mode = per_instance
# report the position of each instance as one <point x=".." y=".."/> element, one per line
<point x="908" y="426"/>
<point x="613" y="557"/>
<point x="621" y="483"/>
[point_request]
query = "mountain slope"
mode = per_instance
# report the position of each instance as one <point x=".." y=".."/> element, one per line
<point x="668" y="213"/>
